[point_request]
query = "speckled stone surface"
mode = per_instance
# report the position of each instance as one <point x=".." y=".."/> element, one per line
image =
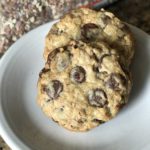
<point x="136" y="12"/>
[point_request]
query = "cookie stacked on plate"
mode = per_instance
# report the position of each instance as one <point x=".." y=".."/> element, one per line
<point x="86" y="78"/>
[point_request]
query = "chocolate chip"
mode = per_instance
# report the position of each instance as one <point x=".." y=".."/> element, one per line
<point x="78" y="74"/>
<point x="95" y="57"/>
<point x="54" y="120"/>
<point x="95" y="69"/>
<point x="102" y="57"/>
<point x="75" y="46"/>
<point x="123" y="101"/>
<point x="97" y="97"/>
<point x="89" y="31"/>
<point x="65" y="47"/>
<point x="99" y="59"/>
<point x="120" y="106"/>
<point x="116" y="82"/>
<point x="125" y="69"/>
<point x="44" y="70"/>
<point x="98" y="121"/>
<point x="90" y="26"/>
<point x="53" y="89"/>
<point x="52" y="55"/>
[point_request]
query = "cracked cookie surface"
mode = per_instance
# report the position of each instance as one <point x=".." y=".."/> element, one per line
<point x="82" y="86"/>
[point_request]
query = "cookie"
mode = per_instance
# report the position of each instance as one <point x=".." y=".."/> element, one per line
<point x="82" y="87"/>
<point x="90" y="26"/>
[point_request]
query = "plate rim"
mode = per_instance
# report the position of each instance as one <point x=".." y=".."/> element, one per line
<point x="5" y="130"/>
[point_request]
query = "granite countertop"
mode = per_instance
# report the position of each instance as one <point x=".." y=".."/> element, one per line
<point x="136" y="12"/>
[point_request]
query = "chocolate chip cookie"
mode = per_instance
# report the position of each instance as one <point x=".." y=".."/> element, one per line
<point x="82" y="86"/>
<point x="90" y="26"/>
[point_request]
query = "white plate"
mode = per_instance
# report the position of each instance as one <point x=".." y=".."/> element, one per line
<point x="24" y="126"/>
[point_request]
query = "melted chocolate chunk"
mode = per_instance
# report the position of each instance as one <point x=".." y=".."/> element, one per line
<point x="54" y="120"/>
<point x="97" y="97"/>
<point x="95" y="57"/>
<point x="98" y="121"/>
<point x="75" y="46"/>
<point x="99" y="60"/>
<point x="95" y="69"/>
<point x="89" y="32"/>
<point x="54" y="89"/>
<point x="44" y="70"/>
<point x="116" y="82"/>
<point x="102" y="57"/>
<point x="52" y="55"/>
<point x="90" y="26"/>
<point x="78" y="74"/>
<point x="120" y="106"/>
<point x="125" y="69"/>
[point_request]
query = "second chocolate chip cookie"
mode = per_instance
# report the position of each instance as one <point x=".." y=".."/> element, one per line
<point x="90" y="26"/>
